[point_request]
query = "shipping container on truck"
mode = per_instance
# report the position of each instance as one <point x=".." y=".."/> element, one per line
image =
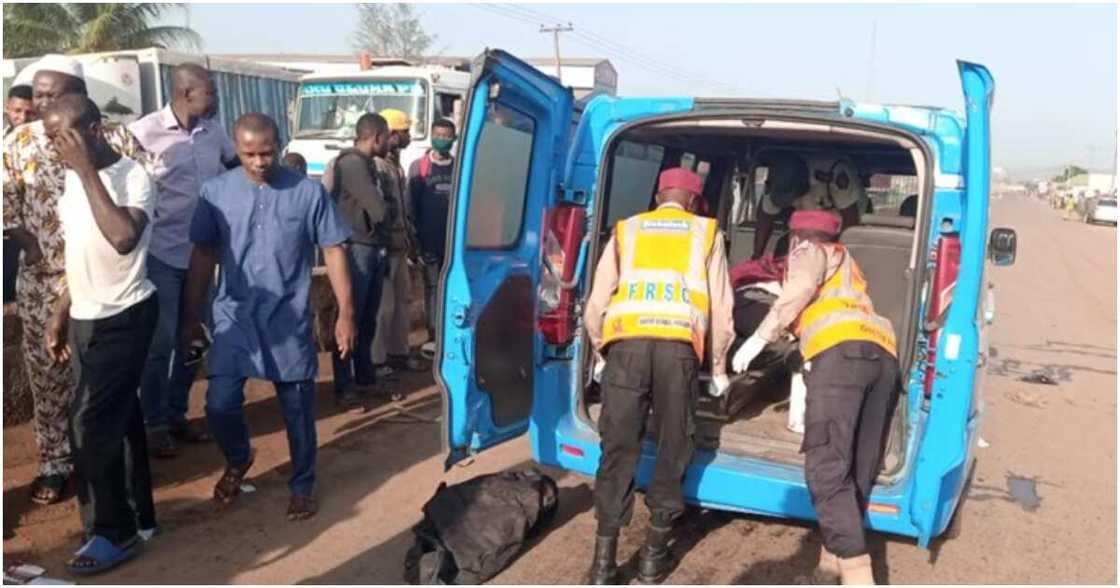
<point x="129" y="84"/>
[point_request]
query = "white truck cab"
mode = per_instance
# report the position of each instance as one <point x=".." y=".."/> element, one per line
<point x="329" y="104"/>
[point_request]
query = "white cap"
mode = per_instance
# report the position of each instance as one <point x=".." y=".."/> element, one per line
<point x="52" y="62"/>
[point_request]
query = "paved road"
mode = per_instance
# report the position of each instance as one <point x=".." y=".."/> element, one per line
<point x="1056" y="313"/>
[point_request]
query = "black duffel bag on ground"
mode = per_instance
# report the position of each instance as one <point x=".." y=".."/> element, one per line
<point x="473" y="530"/>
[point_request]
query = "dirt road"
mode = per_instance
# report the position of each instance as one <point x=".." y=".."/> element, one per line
<point x="1056" y="313"/>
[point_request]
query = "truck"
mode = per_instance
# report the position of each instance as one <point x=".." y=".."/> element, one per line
<point x="337" y="89"/>
<point x="129" y="84"/>
<point x="539" y="185"/>
<point x="328" y="105"/>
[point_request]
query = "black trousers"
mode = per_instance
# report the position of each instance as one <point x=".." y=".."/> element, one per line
<point x="640" y="374"/>
<point x="106" y="422"/>
<point x="852" y="392"/>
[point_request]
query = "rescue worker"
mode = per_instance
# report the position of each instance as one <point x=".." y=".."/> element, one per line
<point x="661" y="298"/>
<point x="851" y="372"/>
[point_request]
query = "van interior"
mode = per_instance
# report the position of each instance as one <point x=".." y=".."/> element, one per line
<point x="732" y="154"/>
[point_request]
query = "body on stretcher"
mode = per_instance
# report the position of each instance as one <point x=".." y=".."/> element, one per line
<point x="777" y="360"/>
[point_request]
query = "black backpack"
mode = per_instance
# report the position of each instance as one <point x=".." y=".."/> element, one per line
<point x="471" y="531"/>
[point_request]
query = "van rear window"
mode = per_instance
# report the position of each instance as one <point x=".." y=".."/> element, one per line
<point x="500" y="180"/>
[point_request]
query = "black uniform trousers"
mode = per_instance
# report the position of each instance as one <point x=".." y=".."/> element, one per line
<point x="106" y="423"/>
<point x="852" y="392"/>
<point x="641" y="374"/>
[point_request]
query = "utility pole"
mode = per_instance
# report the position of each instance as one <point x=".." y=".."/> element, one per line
<point x="871" y="64"/>
<point x="556" y="30"/>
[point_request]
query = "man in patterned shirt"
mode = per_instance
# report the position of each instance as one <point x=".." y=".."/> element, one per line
<point x="33" y="182"/>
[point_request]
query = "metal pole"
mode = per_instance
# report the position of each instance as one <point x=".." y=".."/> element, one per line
<point x="556" y="41"/>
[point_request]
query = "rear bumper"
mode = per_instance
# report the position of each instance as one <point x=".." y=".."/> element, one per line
<point x="731" y="483"/>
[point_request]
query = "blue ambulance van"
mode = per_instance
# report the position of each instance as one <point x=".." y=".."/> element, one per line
<point x="542" y="178"/>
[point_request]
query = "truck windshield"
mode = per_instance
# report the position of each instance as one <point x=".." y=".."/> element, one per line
<point x="332" y="108"/>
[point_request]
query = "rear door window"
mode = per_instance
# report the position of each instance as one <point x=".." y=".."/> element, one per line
<point x="634" y="170"/>
<point x="892" y="195"/>
<point x="500" y="182"/>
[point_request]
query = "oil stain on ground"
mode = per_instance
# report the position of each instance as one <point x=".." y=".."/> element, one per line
<point x="1024" y="491"/>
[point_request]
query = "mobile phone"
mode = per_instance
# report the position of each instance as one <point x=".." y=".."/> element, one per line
<point x="198" y="348"/>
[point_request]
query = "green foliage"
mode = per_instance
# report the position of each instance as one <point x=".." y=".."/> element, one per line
<point x="36" y="29"/>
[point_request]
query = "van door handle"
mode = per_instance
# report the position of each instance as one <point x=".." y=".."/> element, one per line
<point x="461" y="314"/>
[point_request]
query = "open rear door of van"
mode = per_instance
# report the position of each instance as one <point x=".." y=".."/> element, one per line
<point x="513" y="145"/>
<point x="949" y="436"/>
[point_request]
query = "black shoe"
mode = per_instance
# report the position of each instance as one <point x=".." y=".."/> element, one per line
<point x="604" y="568"/>
<point x="188" y="433"/>
<point x="348" y="399"/>
<point x="162" y="445"/>
<point x="655" y="561"/>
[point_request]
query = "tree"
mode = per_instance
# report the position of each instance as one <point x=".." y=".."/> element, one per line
<point x="390" y="30"/>
<point x="1069" y="172"/>
<point x="40" y="28"/>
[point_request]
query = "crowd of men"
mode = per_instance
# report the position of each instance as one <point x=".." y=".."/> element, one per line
<point x="123" y="229"/>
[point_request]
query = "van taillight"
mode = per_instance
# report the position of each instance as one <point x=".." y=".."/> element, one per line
<point x="947" y="264"/>
<point x="560" y="248"/>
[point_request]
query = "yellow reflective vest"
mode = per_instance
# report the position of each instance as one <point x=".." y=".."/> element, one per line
<point x="842" y="311"/>
<point x="662" y="278"/>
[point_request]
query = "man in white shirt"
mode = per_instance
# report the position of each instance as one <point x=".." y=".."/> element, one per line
<point x="110" y="308"/>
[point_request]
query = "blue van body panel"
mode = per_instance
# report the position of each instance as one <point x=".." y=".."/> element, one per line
<point x="938" y="451"/>
<point x="474" y="276"/>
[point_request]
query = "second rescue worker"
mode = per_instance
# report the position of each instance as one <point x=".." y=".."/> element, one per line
<point x="661" y="296"/>
<point x="852" y="378"/>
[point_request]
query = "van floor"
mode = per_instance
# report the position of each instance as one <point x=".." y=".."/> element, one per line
<point x="758" y="429"/>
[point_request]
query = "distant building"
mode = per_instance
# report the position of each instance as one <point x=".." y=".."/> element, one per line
<point x="1092" y="183"/>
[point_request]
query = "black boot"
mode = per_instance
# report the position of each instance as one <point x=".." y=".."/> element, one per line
<point x="655" y="561"/>
<point x="604" y="568"/>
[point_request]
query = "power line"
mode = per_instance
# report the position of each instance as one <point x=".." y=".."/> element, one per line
<point x="649" y="63"/>
<point x="597" y="42"/>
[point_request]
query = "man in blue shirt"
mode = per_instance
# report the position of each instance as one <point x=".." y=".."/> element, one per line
<point x="261" y="223"/>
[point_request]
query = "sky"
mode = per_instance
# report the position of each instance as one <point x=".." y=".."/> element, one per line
<point x="1054" y="65"/>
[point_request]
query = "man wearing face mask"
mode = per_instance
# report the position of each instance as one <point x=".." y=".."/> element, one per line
<point x="429" y="186"/>
<point x="390" y="344"/>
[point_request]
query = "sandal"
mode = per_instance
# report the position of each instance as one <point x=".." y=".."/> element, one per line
<point x="47" y="489"/>
<point x="101" y="555"/>
<point x="301" y="507"/>
<point x="229" y="485"/>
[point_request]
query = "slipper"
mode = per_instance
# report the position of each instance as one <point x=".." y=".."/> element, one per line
<point x="100" y="555"/>
<point x="47" y="489"/>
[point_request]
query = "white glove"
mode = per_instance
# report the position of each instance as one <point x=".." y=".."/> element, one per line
<point x="597" y="373"/>
<point x="746" y="353"/>
<point x="797" y="393"/>
<point x="719" y="385"/>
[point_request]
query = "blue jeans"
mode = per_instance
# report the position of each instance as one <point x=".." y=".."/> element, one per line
<point x="166" y="383"/>
<point x="368" y="267"/>
<point x="225" y="412"/>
